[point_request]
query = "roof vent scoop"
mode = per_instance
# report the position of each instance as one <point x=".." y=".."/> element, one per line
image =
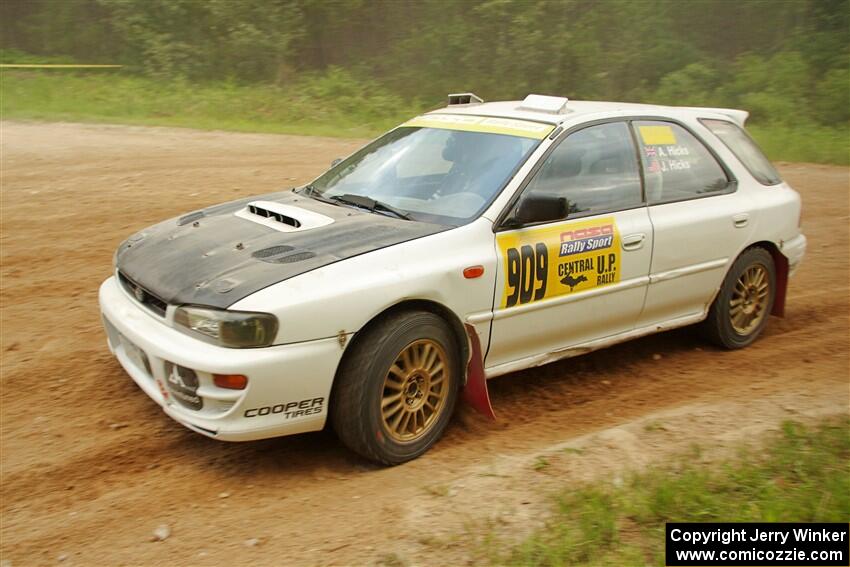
<point x="464" y="98"/>
<point x="543" y="103"/>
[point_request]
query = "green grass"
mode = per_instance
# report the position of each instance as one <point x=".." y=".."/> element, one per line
<point x="327" y="105"/>
<point x="802" y="475"/>
<point x="807" y="143"/>
<point x="334" y="103"/>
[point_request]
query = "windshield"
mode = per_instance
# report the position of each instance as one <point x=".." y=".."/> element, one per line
<point x="430" y="174"/>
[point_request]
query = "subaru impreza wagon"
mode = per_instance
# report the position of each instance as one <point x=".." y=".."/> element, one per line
<point x="467" y="243"/>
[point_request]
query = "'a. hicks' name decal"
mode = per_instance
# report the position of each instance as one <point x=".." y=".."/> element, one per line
<point x="570" y="257"/>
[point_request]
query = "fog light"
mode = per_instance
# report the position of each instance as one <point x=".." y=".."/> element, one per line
<point x="230" y="381"/>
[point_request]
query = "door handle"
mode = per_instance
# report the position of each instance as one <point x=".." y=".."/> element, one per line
<point x="740" y="220"/>
<point x="633" y="241"/>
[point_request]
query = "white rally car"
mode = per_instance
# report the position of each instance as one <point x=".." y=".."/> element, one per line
<point x="467" y="243"/>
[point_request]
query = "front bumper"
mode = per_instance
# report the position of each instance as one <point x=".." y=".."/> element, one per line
<point x="288" y="385"/>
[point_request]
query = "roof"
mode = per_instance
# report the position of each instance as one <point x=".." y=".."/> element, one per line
<point x="577" y="108"/>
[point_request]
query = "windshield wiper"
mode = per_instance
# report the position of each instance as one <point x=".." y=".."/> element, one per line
<point x="370" y="204"/>
<point x="310" y="191"/>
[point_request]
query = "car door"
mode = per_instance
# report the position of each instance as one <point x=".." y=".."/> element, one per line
<point x="699" y="218"/>
<point x="564" y="283"/>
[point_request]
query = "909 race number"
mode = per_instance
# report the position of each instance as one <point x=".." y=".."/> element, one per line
<point x="528" y="272"/>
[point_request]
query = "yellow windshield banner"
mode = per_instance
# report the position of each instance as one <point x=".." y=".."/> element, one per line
<point x="485" y="124"/>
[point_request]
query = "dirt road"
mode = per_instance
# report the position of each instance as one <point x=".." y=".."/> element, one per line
<point x="90" y="466"/>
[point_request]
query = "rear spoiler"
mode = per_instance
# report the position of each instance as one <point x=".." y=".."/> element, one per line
<point x="739" y="117"/>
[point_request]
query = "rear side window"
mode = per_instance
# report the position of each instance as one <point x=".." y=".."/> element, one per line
<point x="677" y="166"/>
<point x="745" y="149"/>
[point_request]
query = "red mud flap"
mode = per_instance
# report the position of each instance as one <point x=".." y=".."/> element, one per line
<point x="475" y="392"/>
<point x="781" y="264"/>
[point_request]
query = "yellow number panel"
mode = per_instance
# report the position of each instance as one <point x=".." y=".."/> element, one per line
<point x="570" y="257"/>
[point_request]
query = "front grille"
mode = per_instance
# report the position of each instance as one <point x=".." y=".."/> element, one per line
<point x="143" y="296"/>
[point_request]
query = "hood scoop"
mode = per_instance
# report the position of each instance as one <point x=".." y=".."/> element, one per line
<point x="281" y="217"/>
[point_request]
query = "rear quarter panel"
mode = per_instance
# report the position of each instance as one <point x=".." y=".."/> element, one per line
<point x="776" y="208"/>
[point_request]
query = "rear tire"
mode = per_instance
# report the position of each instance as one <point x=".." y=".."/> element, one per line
<point x="743" y="305"/>
<point x="396" y="390"/>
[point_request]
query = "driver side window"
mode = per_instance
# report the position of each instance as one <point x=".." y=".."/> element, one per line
<point x="595" y="169"/>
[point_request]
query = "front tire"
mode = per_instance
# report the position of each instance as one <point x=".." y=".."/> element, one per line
<point x="397" y="388"/>
<point x="741" y="309"/>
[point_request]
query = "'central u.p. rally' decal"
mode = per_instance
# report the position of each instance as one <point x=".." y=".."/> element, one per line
<point x="566" y="258"/>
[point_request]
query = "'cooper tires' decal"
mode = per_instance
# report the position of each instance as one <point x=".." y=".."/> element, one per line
<point x="560" y="259"/>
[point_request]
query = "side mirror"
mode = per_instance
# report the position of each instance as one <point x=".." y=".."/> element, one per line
<point x="533" y="209"/>
<point x="336" y="161"/>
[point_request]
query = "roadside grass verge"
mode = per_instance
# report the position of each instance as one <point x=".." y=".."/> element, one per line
<point x="333" y="103"/>
<point x="802" y="475"/>
<point x="805" y="143"/>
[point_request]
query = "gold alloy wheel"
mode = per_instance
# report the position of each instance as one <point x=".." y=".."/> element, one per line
<point x="415" y="390"/>
<point x="748" y="304"/>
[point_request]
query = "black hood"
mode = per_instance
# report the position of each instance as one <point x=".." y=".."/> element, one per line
<point x="213" y="257"/>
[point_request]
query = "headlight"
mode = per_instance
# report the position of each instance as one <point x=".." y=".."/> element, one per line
<point x="234" y="329"/>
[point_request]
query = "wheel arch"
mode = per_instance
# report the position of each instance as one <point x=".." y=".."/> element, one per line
<point x="446" y="314"/>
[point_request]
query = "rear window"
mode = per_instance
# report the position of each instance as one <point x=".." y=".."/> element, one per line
<point x="746" y="150"/>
